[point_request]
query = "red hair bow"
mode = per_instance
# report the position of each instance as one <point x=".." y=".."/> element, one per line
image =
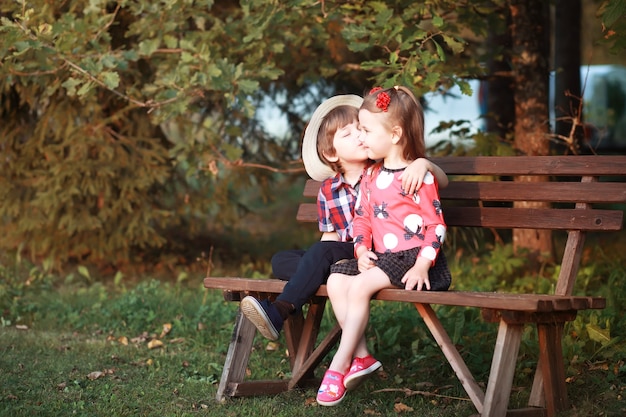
<point x="382" y="100"/>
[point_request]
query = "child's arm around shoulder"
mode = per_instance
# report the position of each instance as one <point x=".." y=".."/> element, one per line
<point x="414" y="174"/>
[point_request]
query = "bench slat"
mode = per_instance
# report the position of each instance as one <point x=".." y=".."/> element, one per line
<point x="574" y="166"/>
<point x="589" y="165"/>
<point x="311" y="188"/>
<point x="557" y="192"/>
<point x="490" y="300"/>
<point x="534" y="218"/>
<point x="307" y="213"/>
<point x="520" y="218"/>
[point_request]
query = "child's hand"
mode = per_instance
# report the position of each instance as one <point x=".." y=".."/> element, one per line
<point x="417" y="276"/>
<point x="366" y="261"/>
<point x="414" y="174"/>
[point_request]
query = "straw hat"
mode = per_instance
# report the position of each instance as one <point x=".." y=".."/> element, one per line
<point x="314" y="166"/>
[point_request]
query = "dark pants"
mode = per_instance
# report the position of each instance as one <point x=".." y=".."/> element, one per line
<point x="305" y="271"/>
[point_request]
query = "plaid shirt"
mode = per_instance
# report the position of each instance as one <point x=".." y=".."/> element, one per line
<point x="335" y="207"/>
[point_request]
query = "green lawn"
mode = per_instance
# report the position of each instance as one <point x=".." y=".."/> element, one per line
<point x="74" y="346"/>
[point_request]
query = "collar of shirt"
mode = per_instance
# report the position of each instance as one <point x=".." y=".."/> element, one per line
<point x="339" y="181"/>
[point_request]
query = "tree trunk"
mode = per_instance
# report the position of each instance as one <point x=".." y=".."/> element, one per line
<point x="497" y="90"/>
<point x="567" y="94"/>
<point x="529" y="29"/>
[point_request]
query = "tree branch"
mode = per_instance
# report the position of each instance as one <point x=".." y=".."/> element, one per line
<point x="150" y="104"/>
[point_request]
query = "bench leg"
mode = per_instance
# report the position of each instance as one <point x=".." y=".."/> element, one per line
<point x="552" y="367"/>
<point x="537" y="397"/>
<point x="292" y="327"/>
<point x="237" y="357"/>
<point x="307" y="356"/>
<point x="569" y="268"/>
<point x="308" y="335"/>
<point x="300" y="334"/>
<point x="452" y="354"/>
<point x="313" y="360"/>
<point x="502" y="370"/>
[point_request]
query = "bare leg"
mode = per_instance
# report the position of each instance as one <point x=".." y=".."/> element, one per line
<point x="338" y="286"/>
<point x="352" y="307"/>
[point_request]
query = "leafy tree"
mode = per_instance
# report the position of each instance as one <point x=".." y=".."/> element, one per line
<point x="130" y="125"/>
<point x="124" y="121"/>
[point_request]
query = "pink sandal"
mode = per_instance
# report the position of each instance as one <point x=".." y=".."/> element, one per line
<point x="332" y="391"/>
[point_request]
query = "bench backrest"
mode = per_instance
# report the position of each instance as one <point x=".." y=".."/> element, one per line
<point x="499" y="193"/>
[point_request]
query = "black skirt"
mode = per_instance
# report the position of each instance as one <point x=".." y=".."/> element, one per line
<point x="396" y="264"/>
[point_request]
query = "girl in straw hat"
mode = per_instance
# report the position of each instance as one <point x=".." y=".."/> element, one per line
<point x="333" y="155"/>
<point x="397" y="234"/>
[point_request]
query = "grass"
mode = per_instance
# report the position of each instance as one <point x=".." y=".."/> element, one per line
<point x="76" y="346"/>
<point x="54" y="372"/>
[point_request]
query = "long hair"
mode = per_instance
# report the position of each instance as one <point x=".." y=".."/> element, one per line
<point x="403" y="110"/>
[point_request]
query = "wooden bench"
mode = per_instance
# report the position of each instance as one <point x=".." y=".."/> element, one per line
<point x="480" y="194"/>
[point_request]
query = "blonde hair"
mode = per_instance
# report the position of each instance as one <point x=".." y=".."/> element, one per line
<point x="403" y="110"/>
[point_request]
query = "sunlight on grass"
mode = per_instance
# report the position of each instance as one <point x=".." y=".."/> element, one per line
<point x="82" y="347"/>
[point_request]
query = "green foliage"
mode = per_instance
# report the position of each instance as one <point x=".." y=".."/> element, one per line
<point x="107" y="142"/>
<point x="613" y="14"/>
<point x="130" y="128"/>
<point x="75" y="325"/>
<point x="126" y="125"/>
<point x="412" y="44"/>
<point x="20" y="287"/>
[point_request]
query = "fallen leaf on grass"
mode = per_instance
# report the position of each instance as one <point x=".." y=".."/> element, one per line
<point x="602" y="366"/>
<point x="310" y="401"/>
<point x="369" y="412"/>
<point x="402" y="408"/>
<point x="155" y="343"/>
<point x="271" y="346"/>
<point x="95" y="375"/>
<point x="123" y="340"/>
<point x="21" y="327"/>
<point x="140" y="339"/>
<point x="167" y="327"/>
